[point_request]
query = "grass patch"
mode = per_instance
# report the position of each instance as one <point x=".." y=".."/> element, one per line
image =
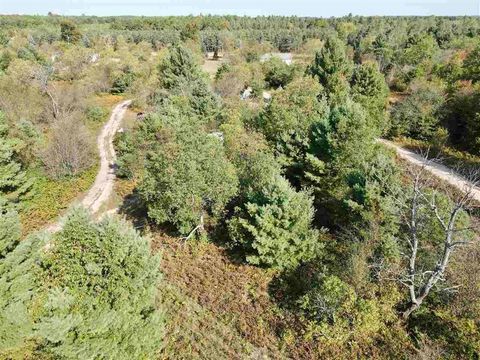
<point x="99" y="110"/>
<point x="51" y="197"/>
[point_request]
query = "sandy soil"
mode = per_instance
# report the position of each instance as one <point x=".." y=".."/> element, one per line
<point x="440" y="171"/>
<point x="100" y="192"/>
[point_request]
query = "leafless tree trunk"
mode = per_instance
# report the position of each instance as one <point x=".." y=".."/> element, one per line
<point x="419" y="281"/>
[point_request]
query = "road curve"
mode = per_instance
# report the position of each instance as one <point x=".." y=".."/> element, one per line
<point x="440" y="171"/>
<point x="102" y="188"/>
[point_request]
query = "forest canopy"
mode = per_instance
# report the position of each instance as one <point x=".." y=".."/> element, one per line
<point x="264" y="216"/>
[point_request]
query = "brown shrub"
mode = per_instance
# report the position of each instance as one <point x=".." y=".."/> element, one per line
<point x="69" y="150"/>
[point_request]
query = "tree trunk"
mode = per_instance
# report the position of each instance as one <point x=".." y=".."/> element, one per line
<point x="412" y="307"/>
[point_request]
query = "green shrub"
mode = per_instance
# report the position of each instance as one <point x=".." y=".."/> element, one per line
<point x="14" y="184"/>
<point x="418" y="115"/>
<point x="278" y="73"/>
<point x="69" y="32"/>
<point x="96" y="113"/>
<point x="10" y="230"/>
<point x="122" y="82"/>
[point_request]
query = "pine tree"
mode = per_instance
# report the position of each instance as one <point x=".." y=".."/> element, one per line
<point x="86" y="292"/>
<point x="69" y="32"/>
<point x="18" y="285"/>
<point x="14" y="184"/>
<point x="273" y="227"/>
<point x="371" y="91"/>
<point x="187" y="175"/>
<point x="333" y="69"/>
<point x="180" y="75"/>
<point x="10" y="229"/>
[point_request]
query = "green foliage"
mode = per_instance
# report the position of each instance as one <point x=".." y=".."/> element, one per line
<point x="344" y="317"/>
<point x="14" y="184"/>
<point x="89" y="293"/>
<point x="187" y="174"/>
<point x="181" y="76"/>
<point x="471" y="65"/>
<point x="327" y="301"/>
<point x="127" y="155"/>
<point x="370" y="90"/>
<point x="69" y="32"/>
<point x="419" y="50"/>
<point x="333" y="68"/>
<point x="273" y="227"/>
<point x="122" y="82"/>
<point x="10" y="230"/>
<point x="223" y="69"/>
<point x="5" y="60"/>
<point x="96" y="114"/>
<point x="289" y="117"/>
<point x="178" y="67"/>
<point x="19" y="267"/>
<point x="461" y="117"/>
<point x="343" y="138"/>
<point x="371" y="204"/>
<point x="317" y="131"/>
<point x="278" y="73"/>
<point x="111" y="316"/>
<point x="248" y="151"/>
<point x="190" y="31"/>
<point x="212" y="41"/>
<point x="418" y="115"/>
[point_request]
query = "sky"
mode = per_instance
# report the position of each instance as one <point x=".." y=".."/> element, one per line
<point x="318" y="8"/>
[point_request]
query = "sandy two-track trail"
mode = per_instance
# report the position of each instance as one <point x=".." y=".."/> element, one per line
<point x="102" y="188"/>
<point x="440" y="171"/>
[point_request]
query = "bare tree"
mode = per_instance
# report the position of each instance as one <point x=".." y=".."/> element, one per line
<point x="70" y="149"/>
<point x="423" y="206"/>
<point x="64" y="99"/>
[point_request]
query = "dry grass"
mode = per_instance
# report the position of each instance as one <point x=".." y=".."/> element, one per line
<point x="211" y="66"/>
<point x="235" y="296"/>
<point x="193" y="332"/>
<point x="107" y="100"/>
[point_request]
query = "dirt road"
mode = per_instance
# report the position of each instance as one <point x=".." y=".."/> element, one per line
<point x="440" y="171"/>
<point x="102" y="188"/>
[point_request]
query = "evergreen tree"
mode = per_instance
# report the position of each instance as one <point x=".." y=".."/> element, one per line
<point x="341" y="140"/>
<point x="418" y="115"/>
<point x="86" y="292"/>
<point x="69" y="32"/>
<point x="287" y="122"/>
<point x="333" y="69"/>
<point x="471" y="65"/>
<point x="277" y="73"/>
<point x="10" y="230"/>
<point x="177" y="66"/>
<point x="370" y="90"/>
<point x="273" y="227"/>
<point x="187" y="175"/>
<point x="14" y="184"/>
<point x="179" y="75"/>
<point x="18" y="286"/>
